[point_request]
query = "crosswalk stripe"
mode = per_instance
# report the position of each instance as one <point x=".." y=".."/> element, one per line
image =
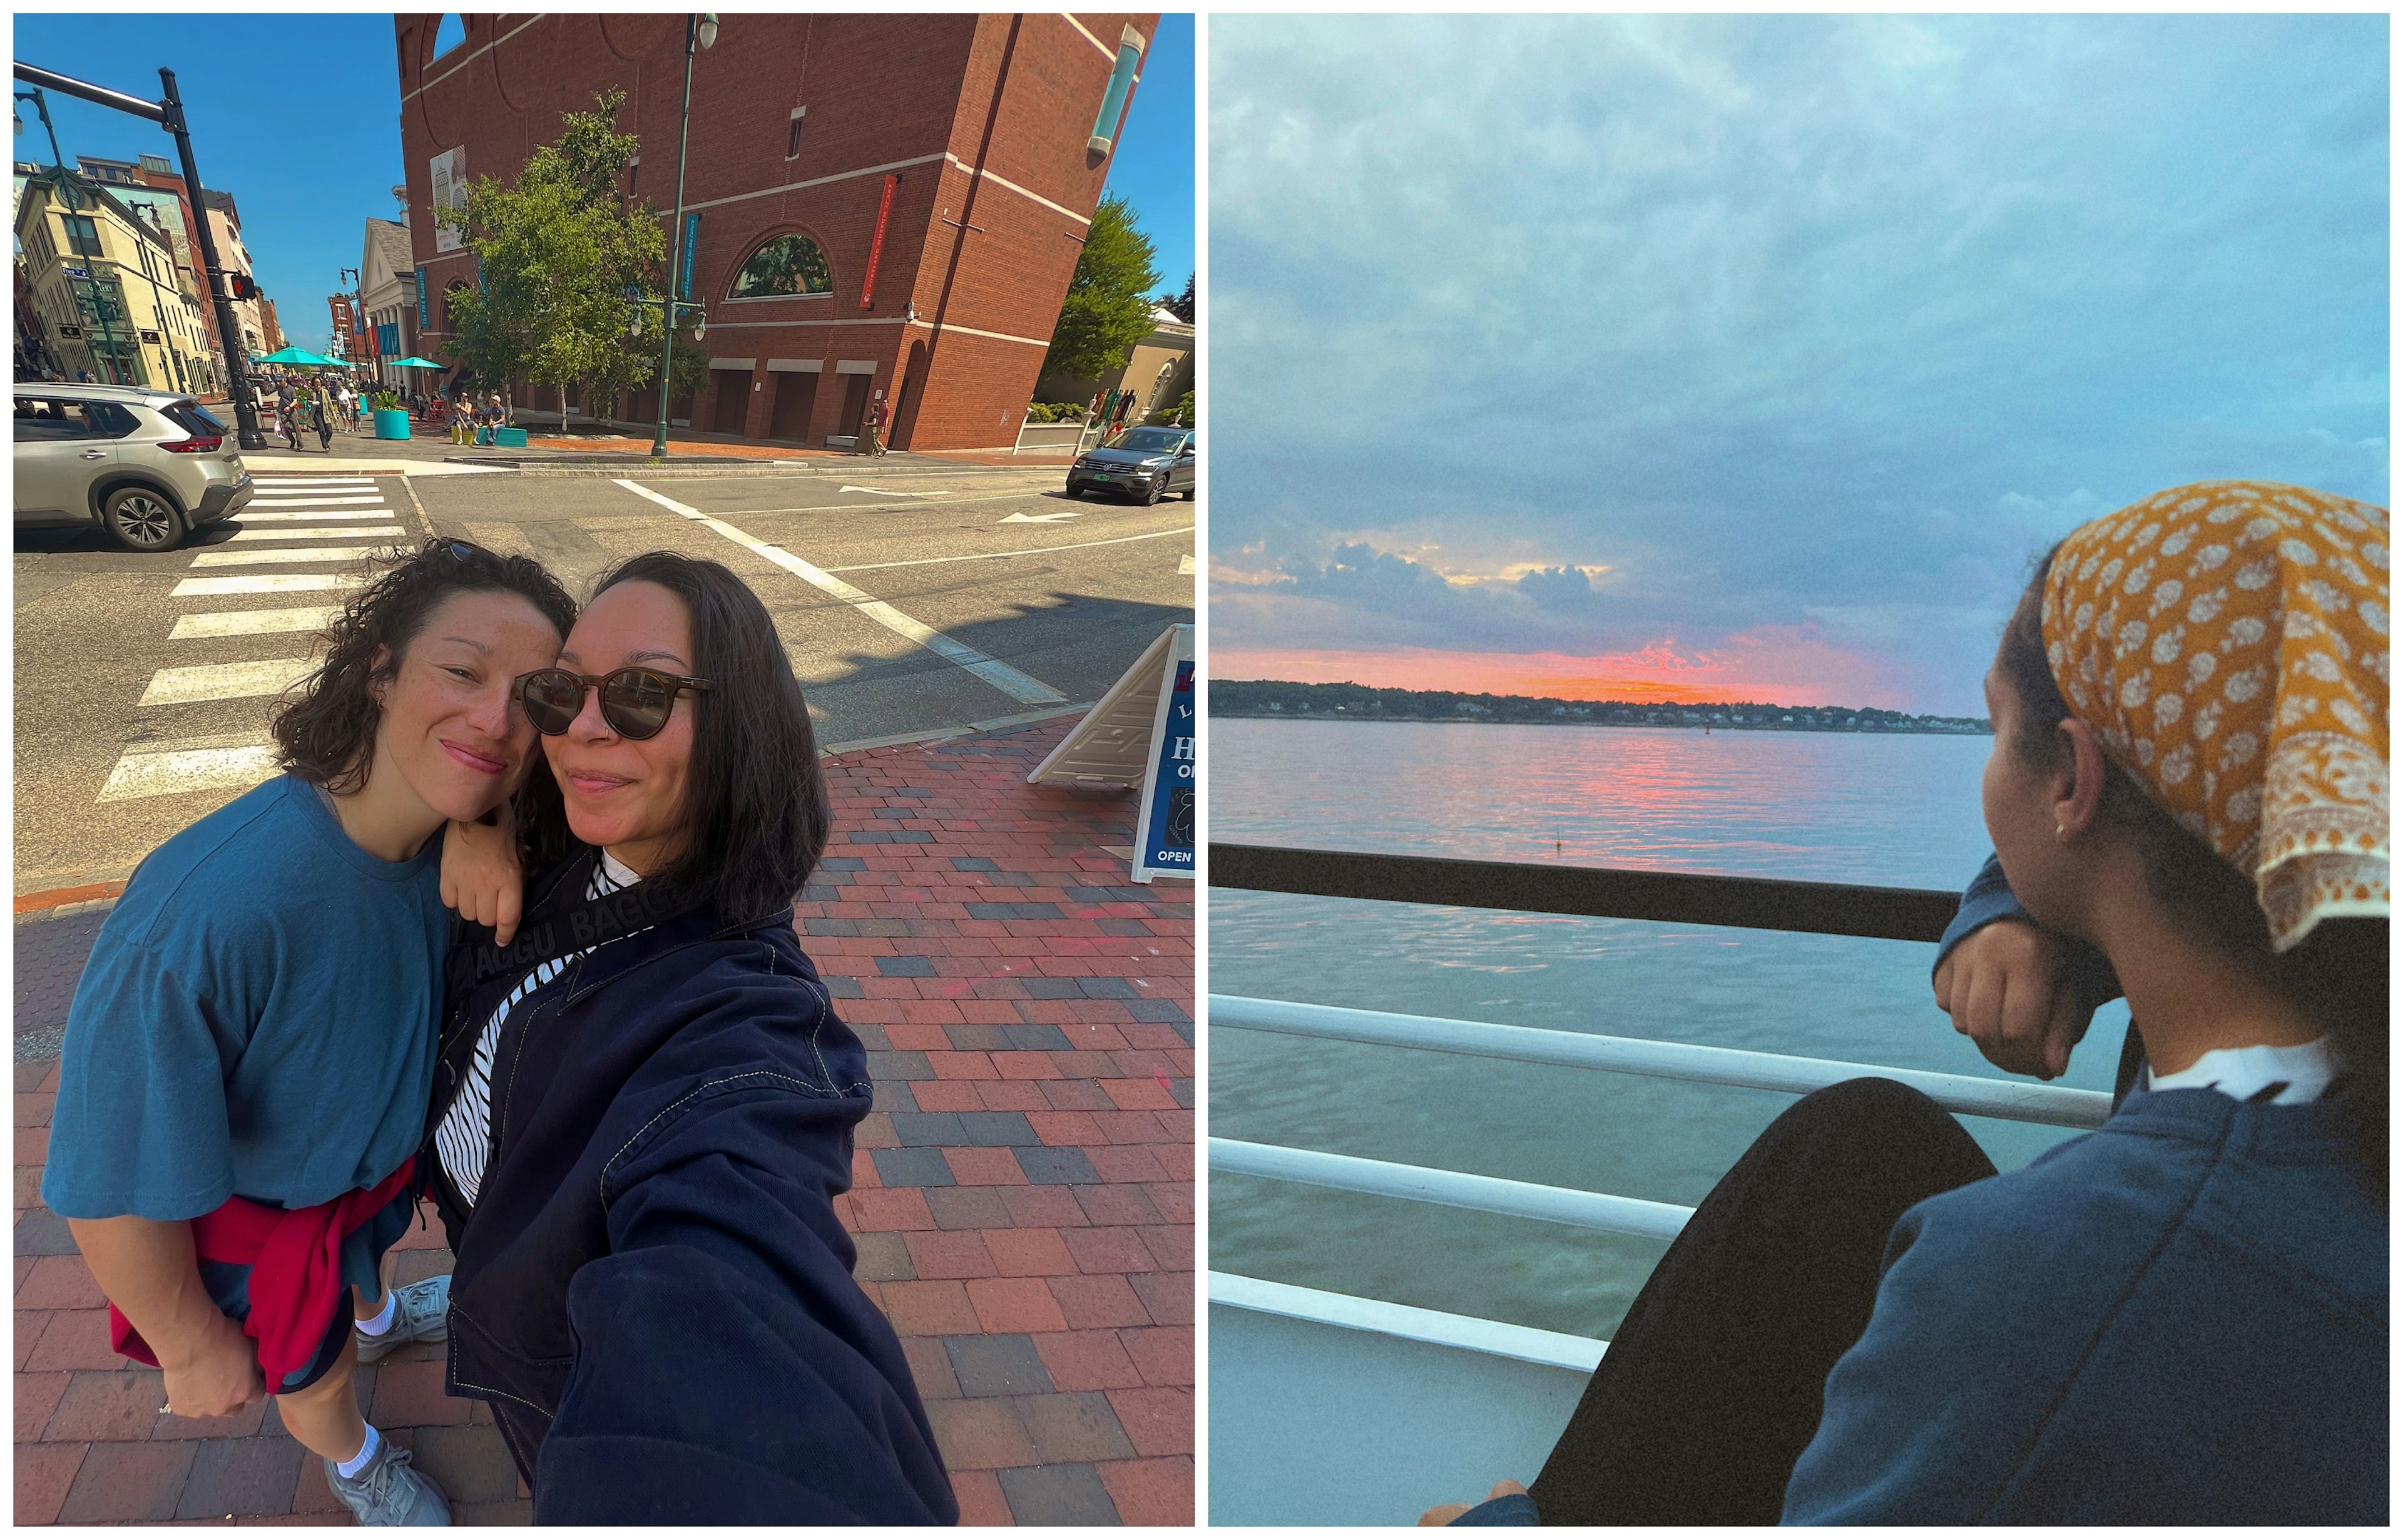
<point x="156" y="774"/>
<point x="317" y="500"/>
<point x="250" y="558"/>
<point x="225" y="681"/>
<point x="351" y="534"/>
<point x="271" y="582"/>
<point x="318" y="481"/>
<point x="255" y="622"/>
<point x="251" y="515"/>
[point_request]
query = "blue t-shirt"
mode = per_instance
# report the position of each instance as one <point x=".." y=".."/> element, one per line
<point x="258" y="1017"/>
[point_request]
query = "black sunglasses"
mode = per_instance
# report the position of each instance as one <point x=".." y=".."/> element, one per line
<point x="636" y="702"/>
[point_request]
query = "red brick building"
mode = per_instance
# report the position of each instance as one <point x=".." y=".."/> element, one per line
<point x="980" y="143"/>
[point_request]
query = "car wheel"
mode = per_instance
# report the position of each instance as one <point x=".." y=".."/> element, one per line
<point x="140" y="518"/>
<point x="1158" y="489"/>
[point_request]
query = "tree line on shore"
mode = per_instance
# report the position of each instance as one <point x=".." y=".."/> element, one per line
<point x="1361" y="703"/>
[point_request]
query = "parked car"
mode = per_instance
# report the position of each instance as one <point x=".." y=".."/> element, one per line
<point x="147" y="466"/>
<point x="1145" y="464"/>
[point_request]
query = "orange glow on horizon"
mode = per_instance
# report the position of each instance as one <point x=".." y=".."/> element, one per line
<point x="1784" y="670"/>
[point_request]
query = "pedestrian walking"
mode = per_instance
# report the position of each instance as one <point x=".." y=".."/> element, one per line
<point x="870" y="443"/>
<point x="321" y="420"/>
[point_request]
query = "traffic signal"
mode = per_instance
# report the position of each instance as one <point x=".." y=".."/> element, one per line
<point x="243" y="286"/>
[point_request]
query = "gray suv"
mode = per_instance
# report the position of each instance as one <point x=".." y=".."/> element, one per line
<point x="1145" y="464"/>
<point x="147" y="466"/>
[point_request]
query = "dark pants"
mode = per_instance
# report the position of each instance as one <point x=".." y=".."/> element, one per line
<point x="1711" y="1388"/>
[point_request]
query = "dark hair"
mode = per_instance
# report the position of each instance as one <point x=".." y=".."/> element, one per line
<point x="327" y="733"/>
<point x="2337" y="973"/>
<point x="756" y="811"/>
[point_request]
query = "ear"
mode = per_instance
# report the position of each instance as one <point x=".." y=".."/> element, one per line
<point x="377" y="680"/>
<point x="2077" y="786"/>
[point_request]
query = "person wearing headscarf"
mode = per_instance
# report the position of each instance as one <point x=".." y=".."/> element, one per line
<point x="2181" y="1316"/>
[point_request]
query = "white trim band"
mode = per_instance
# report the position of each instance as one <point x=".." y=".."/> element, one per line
<point x="1528" y="1344"/>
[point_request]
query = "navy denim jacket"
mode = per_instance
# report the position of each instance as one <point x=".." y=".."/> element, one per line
<point x="653" y="1279"/>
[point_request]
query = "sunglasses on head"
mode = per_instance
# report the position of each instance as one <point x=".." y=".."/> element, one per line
<point x="635" y="701"/>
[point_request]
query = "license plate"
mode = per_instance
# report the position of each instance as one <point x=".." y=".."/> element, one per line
<point x="1101" y="475"/>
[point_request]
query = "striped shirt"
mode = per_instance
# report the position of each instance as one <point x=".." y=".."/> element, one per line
<point x="464" y="1140"/>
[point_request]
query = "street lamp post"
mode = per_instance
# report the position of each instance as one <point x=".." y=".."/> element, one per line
<point x="168" y="112"/>
<point x="699" y="32"/>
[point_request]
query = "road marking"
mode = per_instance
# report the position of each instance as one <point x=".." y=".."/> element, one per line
<point x="318" y="500"/>
<point x="255" y="622"/>
<point x="225" y="681"/>
<point x="273" y="582"/>
<point x="164" y="773"/>
<point x="880" y="492"/>
<point x="1000" y="675"/>
<point x="1004" y="555"/>
<point x="298" y="516"/>
<point x="351" y="533"/>
<point x="1042" y="518"/>
<point x="281" y="482"/>
<point x="249" y="558"/>
<point x="1184" y="567"/>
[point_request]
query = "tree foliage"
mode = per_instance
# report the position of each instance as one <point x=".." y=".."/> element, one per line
<point x="558" y="250"/>
<point x="1109" y="309"/>
<point x="1181" y="305"/>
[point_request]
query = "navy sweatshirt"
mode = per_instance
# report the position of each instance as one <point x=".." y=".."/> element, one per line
<point x="2177" y="1319"/>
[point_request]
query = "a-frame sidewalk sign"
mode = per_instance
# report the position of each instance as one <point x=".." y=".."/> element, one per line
<point x="1141" y="733"/>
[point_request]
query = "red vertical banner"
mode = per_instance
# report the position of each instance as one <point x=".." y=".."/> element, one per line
<point x="876" y="245"/>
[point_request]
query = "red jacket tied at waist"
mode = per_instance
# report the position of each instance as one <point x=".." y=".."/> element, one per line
<point x="295" y="1256"/>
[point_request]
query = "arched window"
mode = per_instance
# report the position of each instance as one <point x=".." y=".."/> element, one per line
<point x="788" y="265"/>
<point x="448" y="35"/>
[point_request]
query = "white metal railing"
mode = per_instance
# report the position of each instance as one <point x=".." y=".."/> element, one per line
<point x="1961" y="1093"/>
<point x="1593" y="1210"/>
<point x="1499" y="1338"/>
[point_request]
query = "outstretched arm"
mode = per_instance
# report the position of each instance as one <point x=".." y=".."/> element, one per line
<point x="728" y="1369"/>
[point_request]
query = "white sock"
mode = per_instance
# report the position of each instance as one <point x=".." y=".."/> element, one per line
<point x="380" y="1323"/>
<point x="358" y="1461"/>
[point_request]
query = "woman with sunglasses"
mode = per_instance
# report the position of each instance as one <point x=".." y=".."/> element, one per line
<point x="644" y="1107"/>
<point x="247" y="1061"/>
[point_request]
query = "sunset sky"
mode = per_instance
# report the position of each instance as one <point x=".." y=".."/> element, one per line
<point x="1756" y="358"/>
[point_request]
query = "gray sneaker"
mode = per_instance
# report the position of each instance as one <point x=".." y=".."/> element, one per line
<point x="423" y="1315"/>
<point x="389" y="1491"/>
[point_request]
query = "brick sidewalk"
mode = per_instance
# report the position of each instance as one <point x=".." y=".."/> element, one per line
<point x="1022" y="1198"/>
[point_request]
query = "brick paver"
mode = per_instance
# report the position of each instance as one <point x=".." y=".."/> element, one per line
<point x="1022" y="1199"/>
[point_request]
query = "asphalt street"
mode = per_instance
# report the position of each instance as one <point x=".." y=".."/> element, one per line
<point x="912" y="600"/>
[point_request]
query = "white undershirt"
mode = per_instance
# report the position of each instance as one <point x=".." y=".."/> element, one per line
<point x="463" y="1141"/>
<point x="2303" y="1072"/>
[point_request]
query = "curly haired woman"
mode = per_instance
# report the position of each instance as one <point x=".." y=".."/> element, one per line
<point x="251" y="1049"/>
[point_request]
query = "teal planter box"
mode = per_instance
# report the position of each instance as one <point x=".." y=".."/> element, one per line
<point x="391" y="424"/>
<point x="509" y="438"/>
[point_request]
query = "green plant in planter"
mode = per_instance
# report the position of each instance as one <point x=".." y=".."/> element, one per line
<point x="384" y="400"/>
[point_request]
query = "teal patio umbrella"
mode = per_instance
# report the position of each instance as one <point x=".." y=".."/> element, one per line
<point x="300" y="357"/>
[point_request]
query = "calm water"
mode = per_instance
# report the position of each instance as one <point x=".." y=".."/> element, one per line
<point x="1898" y="811"/>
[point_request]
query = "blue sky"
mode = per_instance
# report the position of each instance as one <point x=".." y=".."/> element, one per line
<point x="298" y="117"/>
<point x="1757" y="355"/>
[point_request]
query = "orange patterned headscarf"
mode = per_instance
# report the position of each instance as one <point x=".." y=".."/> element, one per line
<point x="2227" y="642"/>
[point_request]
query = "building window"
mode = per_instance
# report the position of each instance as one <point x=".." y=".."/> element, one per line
<point x="788" y="265"/>
<point x="1105" y="123"/>
<point x="793" y="139"/>
<point x="83" y="236"/>
<point x="449" y="34"/>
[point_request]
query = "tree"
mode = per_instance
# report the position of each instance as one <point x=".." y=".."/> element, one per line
<point x="1181" y="305"/>
<point x="1109" y="309"/>
<point x="558" y="250"/>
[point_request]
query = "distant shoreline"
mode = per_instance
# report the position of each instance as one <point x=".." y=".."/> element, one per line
<point x="1287" y="701"/>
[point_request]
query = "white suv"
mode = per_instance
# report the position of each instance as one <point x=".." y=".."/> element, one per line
<point x="149" y="466"/>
